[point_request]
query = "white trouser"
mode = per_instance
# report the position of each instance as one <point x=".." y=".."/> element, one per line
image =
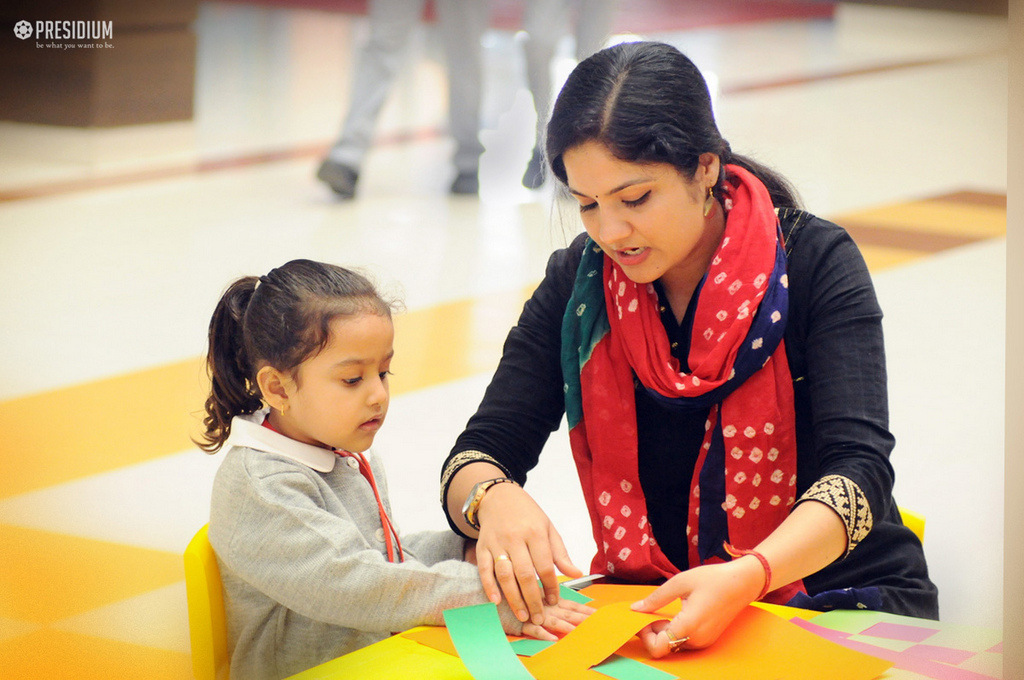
<point x="545" y="22"/>
<point x="461" y="23"/>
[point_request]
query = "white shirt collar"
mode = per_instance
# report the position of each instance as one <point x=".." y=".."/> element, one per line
<point x="248" y="431"/>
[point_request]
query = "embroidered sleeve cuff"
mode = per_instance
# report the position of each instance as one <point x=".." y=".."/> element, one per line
<point x="845" y="497"/>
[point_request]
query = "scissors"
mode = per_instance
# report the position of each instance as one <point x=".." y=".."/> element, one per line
<point x="583" y="581"/>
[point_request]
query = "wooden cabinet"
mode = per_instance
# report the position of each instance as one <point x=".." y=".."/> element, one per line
<point x="97" y="63"/>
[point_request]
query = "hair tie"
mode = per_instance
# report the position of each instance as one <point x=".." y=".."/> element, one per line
<point x="256" y="286"/>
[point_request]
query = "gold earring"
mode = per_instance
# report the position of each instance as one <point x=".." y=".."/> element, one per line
<point x="709" y="202"/>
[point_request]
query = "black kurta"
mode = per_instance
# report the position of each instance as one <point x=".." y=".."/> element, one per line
<point x="837" y="361"/>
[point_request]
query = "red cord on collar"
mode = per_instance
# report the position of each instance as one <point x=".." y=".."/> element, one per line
<point x="391" y="540"/>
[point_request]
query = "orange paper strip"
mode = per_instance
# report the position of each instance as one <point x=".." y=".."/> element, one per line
<point x="761" y="646"/>
<point x="592" y="642"/>
<point x="606" y="593"/>
<point x="436" y="637"/>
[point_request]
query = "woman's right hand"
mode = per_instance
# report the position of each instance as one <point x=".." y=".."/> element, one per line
<point x="518" y="544"/>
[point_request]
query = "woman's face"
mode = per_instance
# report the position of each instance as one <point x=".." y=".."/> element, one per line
<point x="647" y="217"/>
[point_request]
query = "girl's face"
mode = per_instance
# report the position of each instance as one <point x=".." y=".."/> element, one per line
<point x="647" y="217"/>
<point x="339" y="397"/>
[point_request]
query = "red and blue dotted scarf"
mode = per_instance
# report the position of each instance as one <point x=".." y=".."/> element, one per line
<point x="744" y="481"/>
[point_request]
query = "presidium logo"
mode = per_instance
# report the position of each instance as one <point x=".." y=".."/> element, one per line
<point x="97" y="32"/>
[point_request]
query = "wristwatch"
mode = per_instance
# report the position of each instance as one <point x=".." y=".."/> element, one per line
<point x="476" y="494"/>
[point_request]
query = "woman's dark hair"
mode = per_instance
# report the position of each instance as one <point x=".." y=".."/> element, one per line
<point x="647" y="103"/>
<point x="278" y="320"/>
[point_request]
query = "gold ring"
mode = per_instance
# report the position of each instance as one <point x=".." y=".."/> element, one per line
<point x="675" y="644"/>
<point x="502" y="557"/>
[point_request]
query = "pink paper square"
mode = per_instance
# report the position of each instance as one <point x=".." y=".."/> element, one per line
<point x="948" y="655"/>
<point x="897" y="631"/>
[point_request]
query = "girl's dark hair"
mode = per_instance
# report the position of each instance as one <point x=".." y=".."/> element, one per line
<point x="648" y="103"/>
<point x="279" y="320"/>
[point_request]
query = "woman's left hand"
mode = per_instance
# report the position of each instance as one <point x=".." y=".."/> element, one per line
<point x="712" y="596"/>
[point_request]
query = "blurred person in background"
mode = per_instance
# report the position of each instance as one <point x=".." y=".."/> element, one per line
<point x="461" y="23"/>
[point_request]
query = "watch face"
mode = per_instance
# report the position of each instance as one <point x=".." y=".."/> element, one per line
<point x="474" y="496"/>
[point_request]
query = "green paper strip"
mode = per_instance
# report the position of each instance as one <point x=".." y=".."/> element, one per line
<point x="529" y="647"/>
<point x="481" y="643"/>
<point x="848" y="620"/>
<point x="573" y="595"/>
<point x="624" y="668"/>
<point x="568" y="594"/>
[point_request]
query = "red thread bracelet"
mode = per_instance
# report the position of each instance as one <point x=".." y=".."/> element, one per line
<point x="736" y="552"/>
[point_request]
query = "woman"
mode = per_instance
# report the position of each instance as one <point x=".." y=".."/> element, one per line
<point x="718" y="355"/>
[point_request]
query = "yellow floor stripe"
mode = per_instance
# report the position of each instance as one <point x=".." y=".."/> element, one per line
<point x="73" y="432"/>
<point x="935" y="216"/>
<point x="453" y="341"/>
<point x="14" y="628"/>
<point x="69" y="433"/>
<point x="46" y="577"/>
<point x="62" y="655"/>
<point x="881" y="257"/>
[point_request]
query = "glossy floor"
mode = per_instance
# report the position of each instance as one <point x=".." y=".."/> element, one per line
<point x="118" y="242"/>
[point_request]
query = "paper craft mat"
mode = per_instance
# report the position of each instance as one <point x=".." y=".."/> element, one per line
<point x="919" y="649"/>
<point x="757" y="646"/>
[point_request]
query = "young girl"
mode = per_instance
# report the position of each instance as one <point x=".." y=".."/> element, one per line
<point x="312" y="565"/>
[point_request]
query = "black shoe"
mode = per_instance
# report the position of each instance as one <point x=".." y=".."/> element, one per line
<point x="340" y="178"/>
<point x="533" y="178"/>
<point x="466" y="183"/>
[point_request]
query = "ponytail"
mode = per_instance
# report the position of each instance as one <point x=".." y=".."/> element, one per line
<point x="233" y="390"/>
<point x="781" y="191"/>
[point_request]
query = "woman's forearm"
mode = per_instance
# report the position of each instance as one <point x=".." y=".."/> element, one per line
<point x="460" y="487"/>
<point x="811" y="538"/>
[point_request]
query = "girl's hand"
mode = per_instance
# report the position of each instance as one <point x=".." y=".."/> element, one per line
<point x="518" y="544"/>
<point x="713" y="595"/>
<point x="559" y="619"/>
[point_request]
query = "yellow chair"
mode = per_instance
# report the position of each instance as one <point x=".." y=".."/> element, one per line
<point x="914" y="522"/>
<point x="206" y="620"/>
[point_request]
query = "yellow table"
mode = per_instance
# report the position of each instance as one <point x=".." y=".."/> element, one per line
<point x="397" y="658"/>
<point x="400" y="658"/>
